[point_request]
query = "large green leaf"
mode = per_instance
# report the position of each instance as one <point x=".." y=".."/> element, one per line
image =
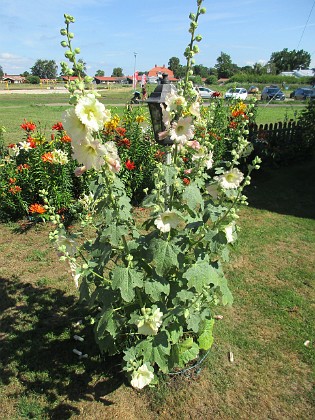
<point x="201" y="274"/>
<point x="113" y="233"/>
<point x="160" y="350"/>
<point x="165" y="255"/>
<point x="169" y="174"/>
<point x="188" y="350"/>
<point x="205" y="338"/>
<point x="126" y="279"/>
<point x="106" y="323"/>
<point x="156" y="287"/>
<point x="193" y="197"/>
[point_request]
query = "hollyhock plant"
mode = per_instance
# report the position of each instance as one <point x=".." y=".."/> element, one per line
<point x="152" y="289"/>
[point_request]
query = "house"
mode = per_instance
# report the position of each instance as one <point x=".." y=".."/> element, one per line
<point x="69" y="78"/>
<point x="13" y="78"/>
<point x="157" y="71"/>
<point x="109" y="79"/>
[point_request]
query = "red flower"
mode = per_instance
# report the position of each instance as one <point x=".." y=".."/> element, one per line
<point x="233" y="124"/>
<point x="58" y="126"/>
<point x="124" y="142"/>
<point x="12" y="180"/>
<point x="28" y="126"/>
<point x="37" y="208"/>
<point x="31" y="142"/>
<point x="121" y="131"/>
<point x="185" y="159"/>
<point x="11" y="146"/>
<point x="130" y="165"/>
<point x="216" y="94"/>
<point x="186" y="181"/>
<point x="159" y="154"/>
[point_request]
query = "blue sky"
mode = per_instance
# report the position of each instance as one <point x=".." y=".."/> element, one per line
<point x="110" y="31"/>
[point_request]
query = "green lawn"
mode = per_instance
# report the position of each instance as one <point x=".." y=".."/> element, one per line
<point x="271" y="275"/>
<point x="46" y="109"/>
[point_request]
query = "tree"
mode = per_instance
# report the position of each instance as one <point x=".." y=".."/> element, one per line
<point x="33" y="80"/>
<point x="286" y="60"/>
<point x="1" y="72"/>
<point x="100" y="73"/>
<point x="200" y="70"/>
<point x="225" y="66"/>
<point x="175" y="66"/>
<point x="117" y="72"/>
<point x="25" y="74"/>
<point x="45" y="69"/>
<point x="80" y="68"/>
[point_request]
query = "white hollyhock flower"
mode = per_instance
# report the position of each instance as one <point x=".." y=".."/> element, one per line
<point x="173" y="101"/>
<point x="229" y="232"/>
<point x="90" y="153"/>
<point x="141" y="377"/>
<point x="66" y="245"/>
<point x="209" y="160"/>
<point x="230" y="179"/>
<point x="166" y="117"/>
<point x="182" y="130"/>
<point x="194" y="109"/>
<point x="91" y="112"/>
<point x="149" y="324"/>
<point x="111" y="156"/>
<point x="167" y="220"/>
<point x="73" y="126"/>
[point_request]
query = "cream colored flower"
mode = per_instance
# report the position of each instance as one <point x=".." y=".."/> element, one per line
<point x="150" y="323"/>
<point x="229" y="231"/>
<point x="194" y="109"/>
<point x="174" y="101"/>
<point x="91" y="112"/>
<point x="90" y="153"/>
<point x="167" y="220"/>
<point x="59" y="157"/>
<point x="66" y="245"/>
<point x="230" y="179"/>
<point x="182" y="130"/>
<point x="25" y="145"/>
<point x="141" y="377"/>
<point x="74" y="127"/>
<point x="209" y="160"/>
<point x="111" y="156"/>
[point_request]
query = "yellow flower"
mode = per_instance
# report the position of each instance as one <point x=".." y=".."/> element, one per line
<point x="112" y="123"/>
<point x="140" y="118"/>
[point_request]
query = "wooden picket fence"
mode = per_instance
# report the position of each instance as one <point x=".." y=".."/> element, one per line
<point x="282" y="141"/>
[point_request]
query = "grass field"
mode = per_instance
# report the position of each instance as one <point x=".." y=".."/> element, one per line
<point x="272" y="279"/>
<point x="47" y="109"/>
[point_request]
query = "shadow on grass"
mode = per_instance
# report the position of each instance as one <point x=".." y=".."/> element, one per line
<point x="287" y="190"/>
<point x="36" y="339"/>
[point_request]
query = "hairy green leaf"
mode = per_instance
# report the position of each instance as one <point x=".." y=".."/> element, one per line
<point x="126" y="279"/>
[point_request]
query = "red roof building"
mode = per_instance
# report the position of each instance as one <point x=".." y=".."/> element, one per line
<point x="157" y="71"/>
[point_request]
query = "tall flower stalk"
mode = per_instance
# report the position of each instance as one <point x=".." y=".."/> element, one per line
<point x="152" y="290"/>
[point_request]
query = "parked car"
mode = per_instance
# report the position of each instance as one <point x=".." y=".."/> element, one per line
<point x="236" y="93"/>
<point x="301" y="94"/>
<point x="253" y="89"/>
<point x="204" y="92"/>
<point x="272" y="93"/>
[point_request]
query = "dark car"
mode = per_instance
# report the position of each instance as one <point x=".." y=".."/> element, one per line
<point x="301" y="94"/>
<point x="272" y="93"/>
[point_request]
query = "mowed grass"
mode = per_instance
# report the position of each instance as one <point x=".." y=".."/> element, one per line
<point x="271" y="275"/>
<point x="46" y="109"/>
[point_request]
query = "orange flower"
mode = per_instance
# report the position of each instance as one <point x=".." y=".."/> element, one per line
<point x="47" y="157"/>
<point x="22" y="166"/>
<point x="12" y="180"/>
<point x="124" y="142"/>
<point x="186" y="181"/>
<point x="32" y="142"/>
<point x="65" y="139"/>
<point x="15" y="189"/>
<point x="36" y="208"/>
<point x="233" y="124"/>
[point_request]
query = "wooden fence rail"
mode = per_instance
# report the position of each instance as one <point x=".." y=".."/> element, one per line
<point x="278" y="141"/>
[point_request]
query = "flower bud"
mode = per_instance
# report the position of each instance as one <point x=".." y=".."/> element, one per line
<point x="64" y="43"/>
<point x="203" y="10"/>
<point x="71" y="35"/>
<point x="63" y="32"/>
<point x="77" y="50"/>
<point x="192" y="16"/>
<point x="198" y="38"/>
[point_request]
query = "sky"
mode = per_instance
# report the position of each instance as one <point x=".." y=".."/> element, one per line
<point x="141" y="34"/>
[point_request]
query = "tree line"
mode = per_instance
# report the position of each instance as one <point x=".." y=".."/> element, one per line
<point x="279" y="61"/>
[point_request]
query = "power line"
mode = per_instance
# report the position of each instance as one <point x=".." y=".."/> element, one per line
<point x="306" y="25"/>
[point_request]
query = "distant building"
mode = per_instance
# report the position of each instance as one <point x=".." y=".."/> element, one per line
<point x="109" y="79"/>
<point x="156" y="72"/>
<point x="13" y="78"/>
<point x="298" y="73"/>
